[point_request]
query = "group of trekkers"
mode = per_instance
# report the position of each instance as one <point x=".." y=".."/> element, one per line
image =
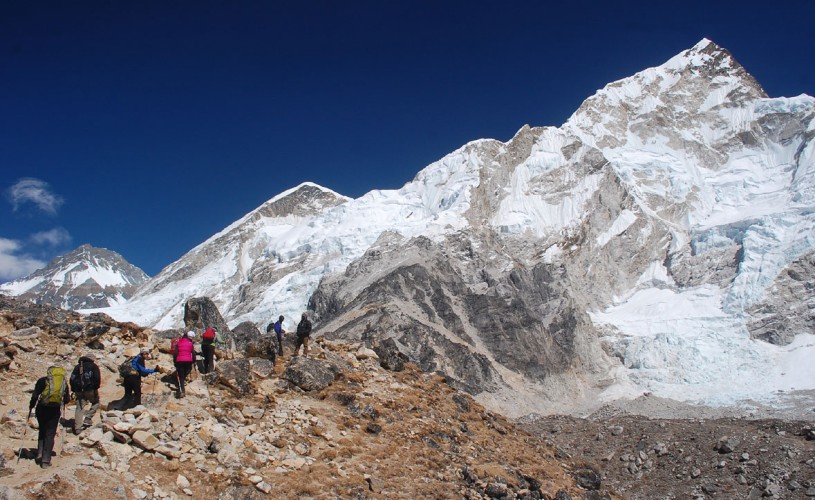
<point x="53" y="391"/>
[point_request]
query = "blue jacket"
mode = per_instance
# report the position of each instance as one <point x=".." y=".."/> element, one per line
<point x="138" y="365"/>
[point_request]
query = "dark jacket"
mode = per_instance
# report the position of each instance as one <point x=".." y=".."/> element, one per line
<point x="304" y="328"/>
<point x="39" y="387"/>
<point x="86" y="364"/>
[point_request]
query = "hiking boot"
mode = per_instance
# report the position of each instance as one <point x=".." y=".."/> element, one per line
<point x="45" y="465"/>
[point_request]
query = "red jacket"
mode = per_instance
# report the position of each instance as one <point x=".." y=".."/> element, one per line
<point x="185" y="351"/>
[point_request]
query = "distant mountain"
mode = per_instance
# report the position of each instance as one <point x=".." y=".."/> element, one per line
<point x="87" y="277"/>
<point x="661" y="240"/>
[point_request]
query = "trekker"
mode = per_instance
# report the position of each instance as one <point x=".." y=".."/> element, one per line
<point x="303" y="333"/>
<point x="184" y="357"/>
<point x="85" y="382"/>
<point x="209" y="339"/>
<point x="279" y="331"/>
<point x="132" y="380"/>
<point x="50" y="395"/>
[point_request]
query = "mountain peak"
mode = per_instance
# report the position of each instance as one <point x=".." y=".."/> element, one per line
<point x="86" y="277"/>
<point x="305" y="199"/>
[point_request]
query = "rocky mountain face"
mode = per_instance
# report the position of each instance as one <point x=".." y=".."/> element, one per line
<point x="658" y="241"/>
<point x="85" y="278"/>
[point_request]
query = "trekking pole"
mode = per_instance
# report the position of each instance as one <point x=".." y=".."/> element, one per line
<point x="61" y="423"/>
<point x="25" y="431"/>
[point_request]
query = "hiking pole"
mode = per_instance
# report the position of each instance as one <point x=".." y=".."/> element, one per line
<point x="25" y="431"/>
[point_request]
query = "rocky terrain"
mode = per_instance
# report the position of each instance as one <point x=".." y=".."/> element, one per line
<point x="352" y="422"/>
<point x="334" y="425"/>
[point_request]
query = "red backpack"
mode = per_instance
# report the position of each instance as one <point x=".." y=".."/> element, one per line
<point x="209" y="335"/>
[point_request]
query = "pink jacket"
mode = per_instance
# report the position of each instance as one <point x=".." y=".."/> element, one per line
<point x="185" y="350"/>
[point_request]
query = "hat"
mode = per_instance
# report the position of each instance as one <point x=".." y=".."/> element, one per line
<point x="191" y="335"/>
<point x="145" y="350"/>
<point x="89" y="356"/>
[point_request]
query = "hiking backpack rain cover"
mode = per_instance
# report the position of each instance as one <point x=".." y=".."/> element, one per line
<point x="54" y="391"/>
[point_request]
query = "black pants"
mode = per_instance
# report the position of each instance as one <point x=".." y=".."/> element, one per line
<point x="279" y="345"/>
<point x="182" y="370"/>
<point x="209" y="352"/>
<point x="132" y="385"/>
<point x="48" y="419"/>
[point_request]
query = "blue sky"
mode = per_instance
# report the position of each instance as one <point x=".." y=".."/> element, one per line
<point x="145" y="127"/>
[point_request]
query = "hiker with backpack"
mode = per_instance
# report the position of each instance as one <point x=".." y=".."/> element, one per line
<point x="279" y="331"/>
<point x="303" y="334"/>
<point x="85" y="381"/>
<point x="183" y="358"/>
<point x="50" y="395"/>
<point x="209" y="340"/>
<point x="132" y="372"/>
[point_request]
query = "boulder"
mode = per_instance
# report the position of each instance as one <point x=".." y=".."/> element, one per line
<point x="264" y="346"/>
<point x="310" y="374"/>
<point x="201" y="312"/>
<point x="262" y="368"/>
<point x="244" y="334"/>
<point x="391" y="355"/>
<point x="26" y="333"/>
<point x="233" y="374"/>
<point x="145" y="440"/>
<point x="69" y="331"/>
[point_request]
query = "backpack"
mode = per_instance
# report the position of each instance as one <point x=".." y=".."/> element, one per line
<point x="54" y="391"/>
<point x="126" y="368"/>
<point x="83" y="377"/>
<point x="209" y="336"/>
<point x="270" y="327"/>
<point x="174" y="347"/>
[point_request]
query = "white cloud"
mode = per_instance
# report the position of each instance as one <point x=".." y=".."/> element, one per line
<point x="13" y="266"/>
<point x="54" y="237"/>
<point x="31" y="190"/>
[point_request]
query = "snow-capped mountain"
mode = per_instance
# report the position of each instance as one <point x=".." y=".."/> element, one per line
<point x="661" y="240"/>
<point x="86" y="277"/>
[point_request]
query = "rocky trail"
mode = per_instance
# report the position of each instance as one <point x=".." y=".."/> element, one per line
<point x="350" y="422"/>
<point x="334" y="425"/>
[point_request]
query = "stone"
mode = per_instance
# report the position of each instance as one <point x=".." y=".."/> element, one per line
<point x="235" y="375"/>
<point x="391" y="355"/>
<point x="310" y="374"/>
<point x="253" y="412"/>
<point x="261" y="368"/>
<point x="726" y="445"/>
<point x="264" y="487"/>
<point x="366" y="353"/>
<point x="145" y="440"/>
<point x="26" y="333"/>
<point x="170" y="450"/>
<point x="182" y="482"/>
<point x="587" y="478"/>
<point x="496" y="490"/>
<point x="201" y="313"/>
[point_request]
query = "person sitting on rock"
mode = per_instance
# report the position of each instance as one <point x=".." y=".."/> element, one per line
<point x="50" y="395"/>
<point x="85" y="382"/>
<point x="303" y="334"/>
<point x="184" y="357"/>
<point x="132" y="380"/>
